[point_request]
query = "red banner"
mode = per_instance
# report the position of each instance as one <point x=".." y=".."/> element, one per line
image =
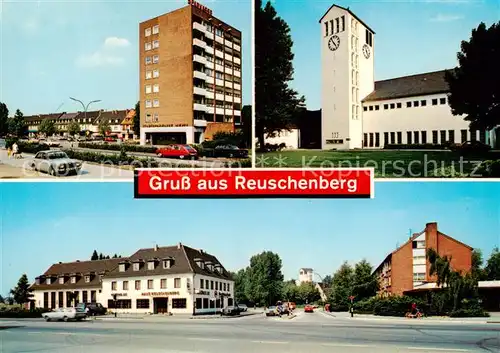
<point x="249" y="183"/>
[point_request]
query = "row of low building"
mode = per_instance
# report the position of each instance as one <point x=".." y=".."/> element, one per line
<point x="174" y="279"/>
<point x="120" y="122"/>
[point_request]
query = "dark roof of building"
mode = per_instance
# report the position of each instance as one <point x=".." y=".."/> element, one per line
<point x="111" y="115"/>
<point x="78" y="268"/>
<point x="184" y="261"/>
<point x="69" y="116"/>
<point x="350" y="12"/>
<point x="409" y="86"/>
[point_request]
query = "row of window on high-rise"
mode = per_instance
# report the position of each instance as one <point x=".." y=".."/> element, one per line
<point x="225" y="63"/>
<point x="155" y="44"/>
<point x="436" y="137"/>
<point x="409" y="104"/>
<point x="152" y="30"/>
<point x="222" y="76"/>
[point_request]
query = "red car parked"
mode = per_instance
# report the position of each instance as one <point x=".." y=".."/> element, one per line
<point x="308" y="309"/>
<point x="177" y="151"/>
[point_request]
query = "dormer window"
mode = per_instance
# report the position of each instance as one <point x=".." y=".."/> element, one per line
<point x="151" y="265"/>
<point x="200" y="263"/>
<point x="73" y="279"/>
<point x="100" y="278"/>
<point x="37" y="280"/>
<point x="48" y="280"/>
<point x="137" y="266"/>
<point x="166" y="264"/>
<point x="87" y="279"/>
<point x="122" y="267"/>
<point x="61" y="280"/>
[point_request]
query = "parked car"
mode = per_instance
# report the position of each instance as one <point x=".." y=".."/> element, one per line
<point x="308" y="309"/>
<point x="243" y="307"/>
<point x="230" y="151"/>
<point x="271" y="311"/>
<point x="231" y="310"/>
<point x="469" y="147"/>
<point x="93" y="309"/>
<point x="65" y="314"/>
<point x="177" y="151"/>
<point x="52" y="143"/>
<point x="55" y="162"/>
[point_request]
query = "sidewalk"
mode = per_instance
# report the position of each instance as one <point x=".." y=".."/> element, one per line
<point x="160" y="317"/>
<point x="493" y="319"/>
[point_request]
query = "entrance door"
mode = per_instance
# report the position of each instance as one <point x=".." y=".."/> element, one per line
<point x="160" y="305"/>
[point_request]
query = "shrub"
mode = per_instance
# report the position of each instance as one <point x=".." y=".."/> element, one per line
<point x="32" y="147"/>
<point x="365" y="306"/>
<point x="489" y="169"/>
<point x="469" y="312"/>
<point x="118" y="147"/>
<point x="242" y="163"/>
<point x="396" y="305"/>
<point x="18" y="313"/>
<point x="424" y="146"/>
<point x="448" y="172"/>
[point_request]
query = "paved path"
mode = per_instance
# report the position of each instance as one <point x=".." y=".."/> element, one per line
<point x="306" y="333"/>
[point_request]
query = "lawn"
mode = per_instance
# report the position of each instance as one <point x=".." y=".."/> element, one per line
<point x="387" y="163"/>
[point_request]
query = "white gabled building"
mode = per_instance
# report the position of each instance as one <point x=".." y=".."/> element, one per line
<point x="160" y="280"/>
<point x="359" y="112"/>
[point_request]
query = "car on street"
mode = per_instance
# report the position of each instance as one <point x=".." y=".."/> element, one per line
<point x="308" y="309"/>
<point x="65" y="314"/>
<point x="243" y="307"/>
<point x="230" y="151"/>
<point x="177" y="151"/>
<point x="93" y="309"/>
<point x="231" y="311"/>
<point x="271" y="311"/>
<point x="55" y="162"/>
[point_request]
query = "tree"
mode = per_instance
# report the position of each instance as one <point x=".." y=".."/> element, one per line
<point x="104" y="127"/>
<point x="2" y="300"/>
<point x="101" y="256"/>
<point x="22" y="292"/>
<point x="74" y="128"/>
<point x="307" y="293"/>
<point x="492" y="268"/>
<point x="456" y="287"/>
<point x="137" y="119"/>
<point x="342" y="287"/>
<point x="264" y="278"/>
<point x="47" y="127"/>
<point x="17" y="126"/>
<point x="476" y="265"/>
<point x="474" y="89"/>
<point x="94" y="256"/>
<point x="240" y="286"/>
<point x="4" y="122"/>
<point x="276" y="102"/>
<point x="365" y="283"/>
<point x="327" y="280"/>
<point x="246" y="124"/>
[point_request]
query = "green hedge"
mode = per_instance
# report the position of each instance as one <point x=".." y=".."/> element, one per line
<point x="469" y="312"/>
<point x="489" y="169"/>
<point x="118" y="147"/>
<point x="397" y="306"/>
<point x="32" y="147"/>
<point x="424" y="146"/>
<point x="124" y="160"/>
<point x="18" y="313"/>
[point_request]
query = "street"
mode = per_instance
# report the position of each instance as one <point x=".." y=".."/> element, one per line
<point x="316" y="332"/>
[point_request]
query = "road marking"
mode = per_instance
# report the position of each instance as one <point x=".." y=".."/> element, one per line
<point x="438" y="349"/>
<point x="203" y="339"/>
<point x="347" y="345"/>
<point x="270" y="342"/>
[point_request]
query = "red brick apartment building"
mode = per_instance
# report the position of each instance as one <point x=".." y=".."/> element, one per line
<point x="407" y="267"/>
<point x="190" y="76"/>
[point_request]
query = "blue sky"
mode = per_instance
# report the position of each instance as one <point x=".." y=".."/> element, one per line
<point x="44" y="223"/>
<point x="87" y="49"/>
<point x="411" y="36"/>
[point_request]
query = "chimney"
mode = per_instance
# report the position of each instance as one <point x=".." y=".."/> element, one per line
<point x="156" y="247"/>
<point x="200" y="250"/>
<point x="179" y="245"/>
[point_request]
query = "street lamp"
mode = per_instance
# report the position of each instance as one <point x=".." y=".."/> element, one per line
<point x="85" y="107"/>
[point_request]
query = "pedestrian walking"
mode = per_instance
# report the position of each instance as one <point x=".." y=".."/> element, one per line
<point x="15" y="150"/>
<point x="9" y="152"/>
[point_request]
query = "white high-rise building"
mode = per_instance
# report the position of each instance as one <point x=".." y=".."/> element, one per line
<point x="347" y="77"/>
